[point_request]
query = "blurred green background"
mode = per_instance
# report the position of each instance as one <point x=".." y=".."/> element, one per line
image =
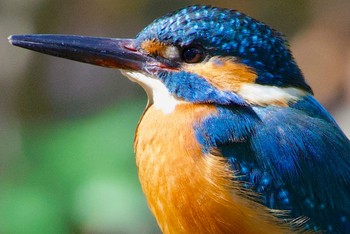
<point x="66" y="157"/>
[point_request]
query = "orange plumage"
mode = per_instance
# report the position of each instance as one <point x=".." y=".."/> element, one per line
<point x="223" y="73"/>
<point x="189" y="192"/>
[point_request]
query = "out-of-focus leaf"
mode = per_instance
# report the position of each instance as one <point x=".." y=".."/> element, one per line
<point x="86" y="168"/>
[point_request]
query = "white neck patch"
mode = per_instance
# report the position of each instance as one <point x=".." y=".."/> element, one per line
<point x="265" y="95"/>
<point x="157" y="93"/>
<point x="262" y="95"/>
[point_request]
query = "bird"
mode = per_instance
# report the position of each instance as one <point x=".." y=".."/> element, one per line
<point x="232" y="139"/>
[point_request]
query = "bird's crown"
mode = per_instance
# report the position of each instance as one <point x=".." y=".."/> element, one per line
<point x="222" y="56"/>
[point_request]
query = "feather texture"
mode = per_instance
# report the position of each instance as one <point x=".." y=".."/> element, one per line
<point x="297" y="158"/>
<point x="188" y="191"/>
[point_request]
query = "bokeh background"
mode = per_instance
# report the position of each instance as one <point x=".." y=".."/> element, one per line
<point x="66" y="128"/>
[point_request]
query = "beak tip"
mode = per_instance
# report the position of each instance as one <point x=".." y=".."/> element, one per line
<point x="11" y="40"/>
<point x="15" y="39"/>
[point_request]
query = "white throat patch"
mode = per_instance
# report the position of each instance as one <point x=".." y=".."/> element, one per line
<point x="157" y="93"/>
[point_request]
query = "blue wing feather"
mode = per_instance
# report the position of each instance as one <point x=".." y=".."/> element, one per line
<point x="297" y="158"/>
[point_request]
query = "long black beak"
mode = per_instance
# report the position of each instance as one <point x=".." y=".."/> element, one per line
<point x="106" y="52"/>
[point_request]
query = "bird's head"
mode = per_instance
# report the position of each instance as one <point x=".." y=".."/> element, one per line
<point x="198" y="54"/>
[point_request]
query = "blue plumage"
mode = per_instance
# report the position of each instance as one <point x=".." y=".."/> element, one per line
<point x="227" y="32"/>
<point x="296" y="158"/>
<point x="195" y="89"/>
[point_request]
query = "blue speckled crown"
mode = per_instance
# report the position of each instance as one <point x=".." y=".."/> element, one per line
<point x="224" y="32"/>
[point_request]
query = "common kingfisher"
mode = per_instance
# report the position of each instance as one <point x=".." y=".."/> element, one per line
<point x="232" y="139"/>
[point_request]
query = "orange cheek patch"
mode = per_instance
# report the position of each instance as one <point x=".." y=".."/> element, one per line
<point x="154" y="47"/>
<point x="224" y="74"/>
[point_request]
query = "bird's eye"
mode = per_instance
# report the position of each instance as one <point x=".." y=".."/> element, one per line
<point x="193" y="54"/>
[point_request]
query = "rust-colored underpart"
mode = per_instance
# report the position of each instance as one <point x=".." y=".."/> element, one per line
<point x="189" y="192"/>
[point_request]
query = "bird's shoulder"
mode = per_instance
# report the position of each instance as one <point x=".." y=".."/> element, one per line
<point x="295" y="157"/>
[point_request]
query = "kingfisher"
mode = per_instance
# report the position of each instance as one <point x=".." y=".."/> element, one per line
<point x="232" y="139"/>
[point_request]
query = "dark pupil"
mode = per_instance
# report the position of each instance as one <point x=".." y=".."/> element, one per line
<point x="192" y="55"/>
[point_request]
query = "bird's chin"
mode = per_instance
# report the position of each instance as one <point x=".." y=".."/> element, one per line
<point x="157" y="92"/>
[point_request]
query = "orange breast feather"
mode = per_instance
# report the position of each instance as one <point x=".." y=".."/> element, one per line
<point x="189" y="192"/>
